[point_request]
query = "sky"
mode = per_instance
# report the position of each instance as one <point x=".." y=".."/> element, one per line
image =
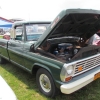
<point x="42" y="10"/>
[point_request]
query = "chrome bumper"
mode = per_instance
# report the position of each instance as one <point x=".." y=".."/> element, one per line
<point x="79" y="81"/>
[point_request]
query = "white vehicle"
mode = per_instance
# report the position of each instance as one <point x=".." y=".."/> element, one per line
<point x="6" y="93"/>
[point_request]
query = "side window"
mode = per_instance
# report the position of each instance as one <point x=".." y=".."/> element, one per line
<point x="34" y="31"/>
<point x="19" y="33"/>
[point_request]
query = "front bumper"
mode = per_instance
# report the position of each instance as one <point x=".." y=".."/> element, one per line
<point x="79" y="81"/>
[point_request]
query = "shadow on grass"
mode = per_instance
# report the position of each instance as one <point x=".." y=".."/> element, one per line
<point x="89" y="92"/>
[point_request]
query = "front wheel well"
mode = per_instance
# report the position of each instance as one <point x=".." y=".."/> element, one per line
<point x="36" y="68"/>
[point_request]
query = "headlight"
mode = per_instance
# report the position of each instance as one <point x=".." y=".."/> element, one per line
<point x="67" y="71"/>
<point x="70" y="69"/>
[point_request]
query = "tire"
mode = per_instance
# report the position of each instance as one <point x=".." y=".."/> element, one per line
<point x="45" y="83"/>
<point x="2" y="60"/>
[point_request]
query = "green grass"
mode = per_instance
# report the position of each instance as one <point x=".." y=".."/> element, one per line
<point x="24" y="86"/>
<point x="1" y="36"/>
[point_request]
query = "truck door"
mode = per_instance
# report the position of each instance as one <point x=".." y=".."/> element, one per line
<point x="3" y="48"/>
<point x="15" y="47"/>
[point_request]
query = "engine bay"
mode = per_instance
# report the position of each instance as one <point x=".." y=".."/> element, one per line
<point x="68" y="49"/>
<point x="65" y="51"/>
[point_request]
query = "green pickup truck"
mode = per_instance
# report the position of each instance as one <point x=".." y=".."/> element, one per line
<point x="58" y="52"/>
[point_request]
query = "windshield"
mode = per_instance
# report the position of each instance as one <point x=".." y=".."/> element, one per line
<point x="34" y="31"/>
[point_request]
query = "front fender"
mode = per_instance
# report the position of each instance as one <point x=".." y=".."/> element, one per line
<point x="55" y="75"/>
<point x="42" y="66"/>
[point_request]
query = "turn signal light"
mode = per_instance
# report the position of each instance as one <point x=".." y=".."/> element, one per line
<point x="80" y="68"/>
<point x="68" y="78"/>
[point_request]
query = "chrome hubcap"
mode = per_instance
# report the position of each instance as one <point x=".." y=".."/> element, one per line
<point x="45" y="83"/>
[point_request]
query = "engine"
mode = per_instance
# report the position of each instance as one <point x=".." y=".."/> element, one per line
<point x="66" y="51"/>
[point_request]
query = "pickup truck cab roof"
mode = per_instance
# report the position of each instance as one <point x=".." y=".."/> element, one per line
<point x="30" y="22"/>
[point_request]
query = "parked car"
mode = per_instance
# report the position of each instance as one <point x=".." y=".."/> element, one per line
<point x="59" y="56"/>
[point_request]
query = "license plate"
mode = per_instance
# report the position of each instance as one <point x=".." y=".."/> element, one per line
<point x="97" y="76"/>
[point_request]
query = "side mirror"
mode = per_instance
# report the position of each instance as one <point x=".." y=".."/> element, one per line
<point x="12" y="33"/>
<point x="32" y="48"/>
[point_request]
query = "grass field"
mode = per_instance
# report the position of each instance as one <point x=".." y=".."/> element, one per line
<point x="24" y="86"/>
<point x="1" y="36"/>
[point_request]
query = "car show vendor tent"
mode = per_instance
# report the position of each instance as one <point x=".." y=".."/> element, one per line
<point x="5" y="26"/>
<point x="4" y="23"/>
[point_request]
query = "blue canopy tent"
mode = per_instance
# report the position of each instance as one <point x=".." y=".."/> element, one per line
<point x="4" y="23"/>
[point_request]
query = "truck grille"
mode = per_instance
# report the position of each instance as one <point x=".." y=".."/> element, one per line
<point x="87" y="64"/>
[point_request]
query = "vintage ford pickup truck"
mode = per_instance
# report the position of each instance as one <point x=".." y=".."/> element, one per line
<point x="58" y="53"/>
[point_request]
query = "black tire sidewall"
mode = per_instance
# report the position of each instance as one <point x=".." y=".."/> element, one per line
<point x="53" y="87"/>
<point x="2" y="60"/>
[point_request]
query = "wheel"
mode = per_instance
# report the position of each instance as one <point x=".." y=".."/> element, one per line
<point x="2" y="60"/>
<point x="45" y="83"/>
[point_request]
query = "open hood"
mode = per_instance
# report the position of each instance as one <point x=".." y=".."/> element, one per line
<point x="72" y="22"/>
